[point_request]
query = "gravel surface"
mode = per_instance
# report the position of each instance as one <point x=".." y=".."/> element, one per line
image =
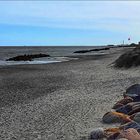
<point x="61" y="101"/>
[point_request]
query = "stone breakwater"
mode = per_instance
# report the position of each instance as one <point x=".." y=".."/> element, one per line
<point x="27" y="57"/>
<point x="91" y="50"/>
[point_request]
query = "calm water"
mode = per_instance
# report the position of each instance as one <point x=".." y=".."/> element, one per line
<point x="57" y="54"/>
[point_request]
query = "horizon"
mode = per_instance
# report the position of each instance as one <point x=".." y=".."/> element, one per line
<point x="105" y="45"/>
<point x="72" y="23"/>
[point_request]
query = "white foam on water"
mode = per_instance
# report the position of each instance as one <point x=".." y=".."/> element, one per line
<point x="43" y="60"/>
<point x="4" y="63"/>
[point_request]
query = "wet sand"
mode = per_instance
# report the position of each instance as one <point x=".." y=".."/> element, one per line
<point x="62" y="101"/>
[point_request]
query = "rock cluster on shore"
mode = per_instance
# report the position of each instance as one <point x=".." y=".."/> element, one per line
<point x="27" y="57"/>
<point x="129" y="59"/>
<point x="85" y="51"/>
<point x="107" y="48"/>
<point x="126" y="112"/>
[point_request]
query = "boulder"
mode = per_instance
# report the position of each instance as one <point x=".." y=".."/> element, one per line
<point x="97" y="134"/>
<point x="82" y="51"/>
<point x="27" y="57"/>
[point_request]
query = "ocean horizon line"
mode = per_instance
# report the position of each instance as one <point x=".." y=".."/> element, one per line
<point x="55" y="45"/>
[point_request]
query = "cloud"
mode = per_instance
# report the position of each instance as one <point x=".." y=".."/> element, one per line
<point x="71" y="9"/>
<point x="115" y="16"/>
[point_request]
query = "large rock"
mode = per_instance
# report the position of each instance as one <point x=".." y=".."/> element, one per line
<point x="133" y="91"/>
<point x="96" y="50"/>
<point x="27" y="57"/>
<point x="110" y="117"/>
<point x="97" y="134"/>
<point x="82" y="51"/>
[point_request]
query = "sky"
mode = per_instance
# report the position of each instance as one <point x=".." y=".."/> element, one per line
<point x="69" y="22"/>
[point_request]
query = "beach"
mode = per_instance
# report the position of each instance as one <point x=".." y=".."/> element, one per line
<point x="61" y="101"/>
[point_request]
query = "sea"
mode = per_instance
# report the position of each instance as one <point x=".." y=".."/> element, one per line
<point x="57" y="54"/>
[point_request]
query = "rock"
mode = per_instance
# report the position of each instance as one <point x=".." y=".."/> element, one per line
<point x="82" y="51"/>
<point x="97" y="134"/>
<point x="113" y="136"/>
<point x="137" y="117"/>
<point x="132" y="124"/>
<point x="110" y="117"/>
<point x="117" y="105"/>
<point x="136" y="110"/>
<point x="122" y="102"/>
<point x="27" y="57"/>
<point x="111" y="45"/>
<point x="125" y="108"/>
<point x="98" y="49"/>
<point x="122" y="139"/>
<point x="133" y="92"/>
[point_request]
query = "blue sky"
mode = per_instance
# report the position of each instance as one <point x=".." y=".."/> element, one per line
<point x="69" y="22"/>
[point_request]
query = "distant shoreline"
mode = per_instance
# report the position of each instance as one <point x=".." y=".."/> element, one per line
<point x="109" y="45"/>
<point x="58" y="46"/>
<point x="56" y="54"/>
